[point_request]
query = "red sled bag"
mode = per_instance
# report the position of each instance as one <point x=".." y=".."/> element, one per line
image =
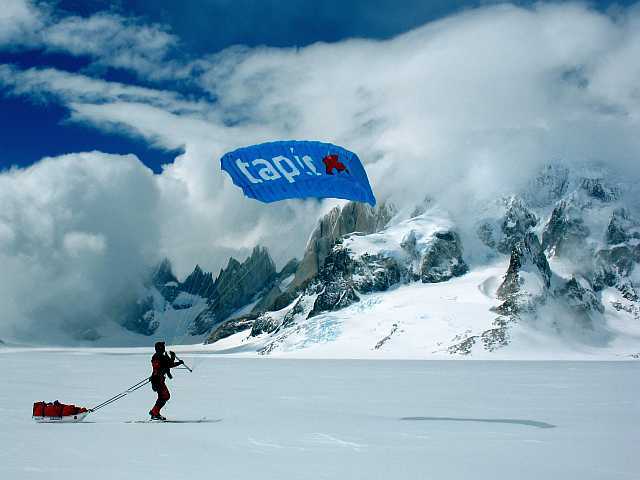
<point x="69" y="410"/>
<point x="57" y="412"/>
<point x="38" y="409"/>
<point x="53" y="409"/>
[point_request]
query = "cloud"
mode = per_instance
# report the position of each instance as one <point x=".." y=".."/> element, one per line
<point x="113" y="41"/>
<point x="81" y="243"/>
<point x="44" y="85"/>
<point x="462" y="110"/>
<point x="19" y="19"/>
<point x="106" y="38"/>
<point x="77" y="233"/>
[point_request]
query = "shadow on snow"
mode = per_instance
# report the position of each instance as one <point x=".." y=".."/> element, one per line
<point x="528" y="423"/>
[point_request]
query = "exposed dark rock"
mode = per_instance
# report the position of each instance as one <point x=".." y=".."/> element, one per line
<point x="353" y="217"/>
<point x="139" y="314"/>
<point x="565" y="233"/>
<point x="443" y="259"/>
<point x="511" y="229"/>
<point x="576" y="307"/>
<point x="580" y="299"/>
<point x="629" y="307"/>
<point x="617" y="229"/>
<point x="231" y="327"/>
<point x="518" y="220"/>
<point x="165" y="281"/>
<point x="269" y="301"/>
<point x="338" y="264"/>
<point x="163" y="273"/>
<point x="498" y="336"/>
<point x="375" y="273"/>
<point x="237" y="285"/>
<point x="385" y="339"/>
<point x="596" y="188"/>
<point x="333" y="283"/>
<point x="272" y="325"/>
<point x="284" y="299"/>
<point x="265" y="323"/>
<point x="492" y="339"/>
<point x="335" y="288"/>
<point x="140" y="317"/>
<point x="413" y="269"/>
<point x="198" y="283"/>
<point x="527" y="256"/>
<point x="613" y="264"/>
<point x="622" y="227"/>
<point x="464" y="347"/>
<point x="290" y="317"/>
<point x="514" y="305"/>
<point x="629" y="292"/>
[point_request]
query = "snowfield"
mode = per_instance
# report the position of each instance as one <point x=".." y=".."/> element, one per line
<point x="419" y="321"/>
<point x="312" y="419"/>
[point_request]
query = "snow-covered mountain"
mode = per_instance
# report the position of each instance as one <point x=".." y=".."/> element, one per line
<point x="186" y="311"/>
<point x="548" y="271"/>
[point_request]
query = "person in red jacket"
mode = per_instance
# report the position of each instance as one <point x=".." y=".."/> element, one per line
<point x="162" y="364"/>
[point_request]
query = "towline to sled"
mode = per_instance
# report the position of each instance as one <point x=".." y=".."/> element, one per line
<point x="56" y="412"/>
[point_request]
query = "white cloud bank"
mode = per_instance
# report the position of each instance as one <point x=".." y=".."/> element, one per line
<point x="75" y="234"/>
<point x="461" y="109"/>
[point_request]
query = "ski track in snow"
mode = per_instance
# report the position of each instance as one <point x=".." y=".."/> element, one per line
<point x="325" y="438"/>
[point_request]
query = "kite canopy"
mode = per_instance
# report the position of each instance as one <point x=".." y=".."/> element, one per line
<point x="298" y="169"/>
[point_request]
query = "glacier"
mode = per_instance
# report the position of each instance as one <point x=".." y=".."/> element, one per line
<point x="307" y="419"/>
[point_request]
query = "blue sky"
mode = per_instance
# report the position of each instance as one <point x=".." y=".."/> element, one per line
<point x="32" y="129"/>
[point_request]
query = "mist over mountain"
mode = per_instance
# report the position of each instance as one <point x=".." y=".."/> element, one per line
<point x="551" y="270"/>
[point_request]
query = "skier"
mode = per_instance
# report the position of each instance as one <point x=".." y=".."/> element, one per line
<point x="162" y="364"/>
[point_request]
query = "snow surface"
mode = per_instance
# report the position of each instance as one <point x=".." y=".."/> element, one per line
<point x="420" y="321"/>
<point x="311" y="419"/>
<point x="389" y="242"/>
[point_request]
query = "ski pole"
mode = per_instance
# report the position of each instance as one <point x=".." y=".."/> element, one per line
<point x="185" y="365"/>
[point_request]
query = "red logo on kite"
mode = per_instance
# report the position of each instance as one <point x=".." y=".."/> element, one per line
<point x="331" y="162"/>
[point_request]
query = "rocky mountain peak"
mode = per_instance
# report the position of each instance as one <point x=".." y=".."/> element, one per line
<point x="597" y="188"/>
<point x="622" y="227"/>
<point x="510" y="228"/>
<point x="528" y="277"/>
<point x="352" y="217"/>
<point x="443" y="258"/>
<point x="566" y="231"/>
<point x="237" y="285"/>
<point x="551" y="184"/>
<point x="198" y="283"/>
<point x="163" y="273"/>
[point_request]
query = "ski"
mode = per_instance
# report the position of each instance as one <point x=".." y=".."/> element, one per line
<point x="169" y="420"/>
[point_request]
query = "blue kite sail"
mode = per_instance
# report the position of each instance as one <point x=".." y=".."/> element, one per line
<point x="298" y="169"/>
